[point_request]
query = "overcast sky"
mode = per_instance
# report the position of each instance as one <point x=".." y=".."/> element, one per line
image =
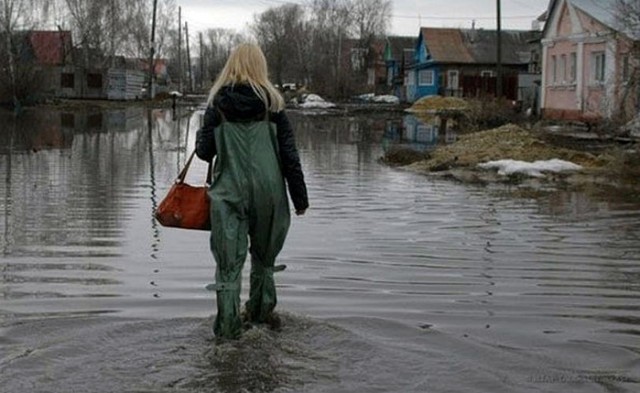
<point x="408" y="15"/>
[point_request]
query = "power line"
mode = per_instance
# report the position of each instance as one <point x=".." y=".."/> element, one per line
<point x="201" y="26"/>
<point x="306" y="5"/>
<point x="461" y="17"/>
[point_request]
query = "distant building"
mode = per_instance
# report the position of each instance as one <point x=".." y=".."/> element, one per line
<point x="362" y="67"/>
<point x="399" y="53"/>
<point x="587" y="61"/>
<point x="463" y="62"/>
<point x="65" y="71"/>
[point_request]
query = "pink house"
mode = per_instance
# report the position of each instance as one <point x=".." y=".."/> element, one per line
<point x="587" y="61"/>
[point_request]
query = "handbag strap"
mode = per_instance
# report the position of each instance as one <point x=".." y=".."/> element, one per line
<point x="183" y="173"/>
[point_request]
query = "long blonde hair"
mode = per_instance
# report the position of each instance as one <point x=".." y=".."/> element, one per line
<point x="247" y="64"/>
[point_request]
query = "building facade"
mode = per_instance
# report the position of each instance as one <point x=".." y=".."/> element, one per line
<point x="587" y="61"/>
<point x="463" y="62"/>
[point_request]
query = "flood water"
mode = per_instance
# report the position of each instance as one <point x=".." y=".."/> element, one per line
<point x="395" y="282"/>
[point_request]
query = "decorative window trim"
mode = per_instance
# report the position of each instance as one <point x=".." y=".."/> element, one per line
<point x="626" y="69"/>
<point x="449" y="79"/>
<point x="573" y="68"/>
<point x="426" y="78"/>
<point x="598" y="68"/>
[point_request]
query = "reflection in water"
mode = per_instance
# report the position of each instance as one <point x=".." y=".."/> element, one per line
<point x="154" y="198"/>
<point x="76" y="199"/>
<point x="431" y="277"/>
<point x="419" y="134"/>
<point x="8" y="198"/>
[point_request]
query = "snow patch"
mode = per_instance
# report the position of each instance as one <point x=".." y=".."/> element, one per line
<point x="315" y="101"/>
<point x="534" y="169"/>
<point x="366" y="97"/>
<point x="386" y="99"/>
<point x="382" y="99"/>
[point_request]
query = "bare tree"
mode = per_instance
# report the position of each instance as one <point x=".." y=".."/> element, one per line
<point x="51" y="14"/>
<point x="14" y="23"/>
<point x="277" y="30"/>
<point x="331" y="22"/>
<point x="628" y="15"/>
<point x="313" y="45"/>
<point x="110" y="27"/>
<point x="371" y="21"/>
<point x="218" y="44"/>
<point x="167" y="16"/>
<point x="86" y="21"/>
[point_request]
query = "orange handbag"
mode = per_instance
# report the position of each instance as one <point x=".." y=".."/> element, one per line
<point x="186" y="206"/>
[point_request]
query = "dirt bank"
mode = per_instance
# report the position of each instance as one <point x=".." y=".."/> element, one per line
<point x="611" y="165"/>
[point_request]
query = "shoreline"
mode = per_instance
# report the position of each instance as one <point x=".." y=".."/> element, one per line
<point x="607" y="165"/>
<point x="608" y="161"/>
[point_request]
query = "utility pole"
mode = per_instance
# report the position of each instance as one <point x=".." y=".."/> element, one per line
<point x="190" y="85"/>
<point x="180" y="49"/>
<point x="499" y="53"/>
<point x="112" y="33"/>
<point x="12" y="69"/>
<point x="201" y="62"/>
<point x="153" y="50"/>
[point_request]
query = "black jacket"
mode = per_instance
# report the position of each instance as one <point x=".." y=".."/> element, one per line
<point x="240" y="104"/>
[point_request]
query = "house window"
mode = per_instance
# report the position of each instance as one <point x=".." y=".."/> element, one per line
<point x="358" y="59"/>
<point x="562" y="69"/>
<point x="67" y="80"/>
<point x="487" y="74"/>
<point x="597" y="67"/>
<point x="453" y="79"/>
<point x="411" y="79"/>
<point x="626" y="69"/>
<point x="554" y="70"/>
<point x="573" y="66"/>
<point x="425" y="78"/>
<point x="94" y="81"/>
<point x="371" y="76"/>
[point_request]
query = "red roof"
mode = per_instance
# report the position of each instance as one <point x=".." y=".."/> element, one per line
<point x="50" y="47"/>
<point x="477" y="46"/>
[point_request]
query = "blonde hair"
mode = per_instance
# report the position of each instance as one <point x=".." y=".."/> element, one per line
<point x="247" y="65"/>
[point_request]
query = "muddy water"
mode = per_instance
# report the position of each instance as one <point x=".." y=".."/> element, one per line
<point x="395" y="282"/>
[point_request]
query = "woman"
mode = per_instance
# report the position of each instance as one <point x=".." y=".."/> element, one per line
<point x="246" y="128"/>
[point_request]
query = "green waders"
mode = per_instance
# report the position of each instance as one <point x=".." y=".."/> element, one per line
<point x="248" y="201"/>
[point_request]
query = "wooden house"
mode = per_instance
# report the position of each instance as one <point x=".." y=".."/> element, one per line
<point x="588" y="61"/>
<point x="37" y="55"/>
<point x="462" y="62"/>
<point x="398" y="57"/>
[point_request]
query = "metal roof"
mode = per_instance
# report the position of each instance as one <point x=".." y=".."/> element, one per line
<point x="606" y="12"/>
<point x="477" y="46"/>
